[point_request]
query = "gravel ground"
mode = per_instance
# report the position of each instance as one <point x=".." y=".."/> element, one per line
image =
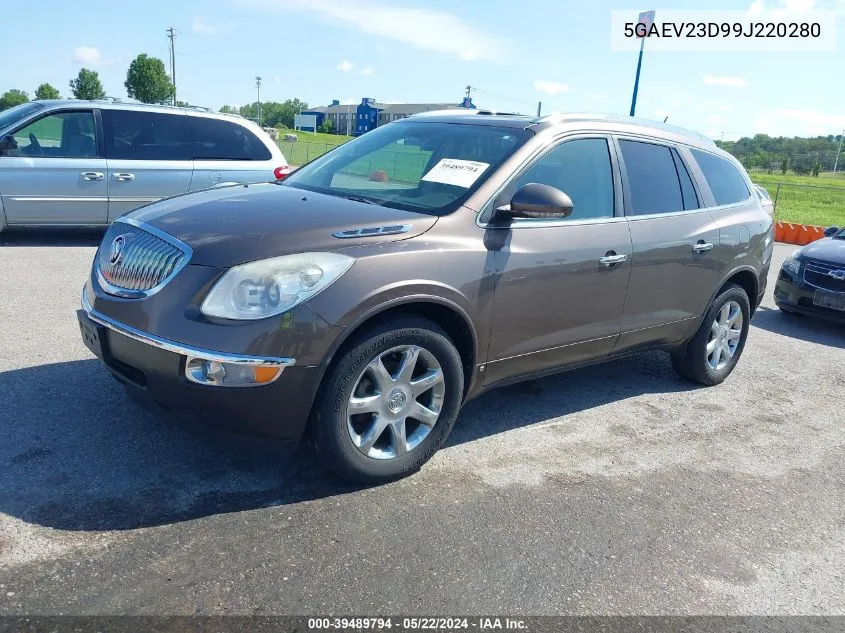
<point x="615" y="489"/>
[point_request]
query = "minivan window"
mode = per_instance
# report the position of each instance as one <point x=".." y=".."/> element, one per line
<point x="60" y="135"/>
<point x="215" y="139"/>
<point x="652" y="178"/>
<point x="580" y="168"/>
<point x="140" y="135"/>
<point x="726" y="183"/>
<point x="427" y="167"/>
<point x="18" y="113"/>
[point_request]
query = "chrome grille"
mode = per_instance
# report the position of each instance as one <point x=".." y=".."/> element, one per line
<point x="816" y="273"/>
<point x="136" y="260"/>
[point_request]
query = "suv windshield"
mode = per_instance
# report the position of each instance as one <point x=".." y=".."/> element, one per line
<point x="418" y="166"/>
<point x="12" y="115"/>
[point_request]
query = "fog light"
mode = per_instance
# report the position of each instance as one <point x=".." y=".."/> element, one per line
<point x="212" y="372"/>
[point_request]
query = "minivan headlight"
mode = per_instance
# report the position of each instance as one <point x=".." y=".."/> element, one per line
<point x="267" y="287"/>
<point x="792" y="265"/>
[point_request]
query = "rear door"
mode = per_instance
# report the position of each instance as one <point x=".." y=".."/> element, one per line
<point x="149" y="155"/>
<point x="225" y="151"/>
<point x="673" y="271"/>
<point x="57" y="173"/>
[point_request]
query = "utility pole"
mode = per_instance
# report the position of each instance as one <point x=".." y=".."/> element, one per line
<point x="171" y="33"/>
<point x="836" y="163"/>
<point x="539" y="108"/>
<point x="258" y="88"/>
<point x="469" y="91"/>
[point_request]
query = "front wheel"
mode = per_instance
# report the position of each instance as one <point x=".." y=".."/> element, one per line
<point x="711" y="355"/>
<point x="389" y="402"/>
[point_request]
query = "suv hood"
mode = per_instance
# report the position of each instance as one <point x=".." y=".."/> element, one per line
<point x="827" y="250"/>
<point x="236" y="224"/>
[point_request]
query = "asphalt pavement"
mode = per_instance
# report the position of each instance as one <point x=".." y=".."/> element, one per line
<point x="617" y="489"/>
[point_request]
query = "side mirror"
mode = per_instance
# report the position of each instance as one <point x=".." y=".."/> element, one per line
<point x="831" y="230"/>
<point x="7" y="143"/>
<point x="535" y="200"/>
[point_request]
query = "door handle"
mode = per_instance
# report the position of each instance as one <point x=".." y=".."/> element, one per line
<point x="702" y="247"/>
<point x="92" y="175"/>
<point x="125" y="177"/>
<point x="611" y="259"/>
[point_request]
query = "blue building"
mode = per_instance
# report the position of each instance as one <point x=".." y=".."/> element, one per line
<point x="355" y="120"/>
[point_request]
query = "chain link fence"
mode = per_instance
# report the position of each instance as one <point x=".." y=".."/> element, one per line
<point x="299" y="153"/>
<point x="816" y="205"/>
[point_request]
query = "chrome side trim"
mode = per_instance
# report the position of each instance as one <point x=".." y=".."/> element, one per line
<point x="117" y="291"/>
<point x="372" y="231"/>
<point x="179" y="348"/>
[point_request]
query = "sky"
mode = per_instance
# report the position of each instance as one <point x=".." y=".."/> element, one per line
<point x="514" y="54"/>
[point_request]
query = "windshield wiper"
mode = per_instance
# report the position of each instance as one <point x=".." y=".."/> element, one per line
<point x="360" y="199"/>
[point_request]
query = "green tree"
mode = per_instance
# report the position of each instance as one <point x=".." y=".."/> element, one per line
<point x="227" y="109"/>
<point x="273" y="113"/>
<point x="817" y="168"/>
<point x="147" y="81"/>
<point x="784" y="166"/>
<point x="326" y="127"/>
<point x="13" y="97"/>
<point x="87" y="85"/>
<point x="46" y="91"/>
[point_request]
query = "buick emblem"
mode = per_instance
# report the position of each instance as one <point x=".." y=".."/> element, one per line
<point x="116" y="250"/>
<point x="838" y="275"/>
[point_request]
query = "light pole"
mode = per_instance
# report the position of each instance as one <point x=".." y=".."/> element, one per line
<point x="644" y="23"/>
<point x="836" y="163"/>
<point x="258" y="88"/>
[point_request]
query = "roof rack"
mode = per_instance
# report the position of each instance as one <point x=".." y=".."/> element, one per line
<point x="561" y="117"/>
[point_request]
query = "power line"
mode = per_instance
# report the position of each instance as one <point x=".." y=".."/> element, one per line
<point x="499" y="96"/>
<point x="171" y="34"/>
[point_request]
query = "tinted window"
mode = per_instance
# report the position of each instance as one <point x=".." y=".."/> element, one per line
<point x="138" y="135"/>
<point x="582" y="170"/>
<point x="215" y="139"/>
<point x="10" y="116"/>
<point x="61" y="135"/>
<point x="687" y="189"/>
<point x="726" y="183"/>
<point x="652" y="178"/>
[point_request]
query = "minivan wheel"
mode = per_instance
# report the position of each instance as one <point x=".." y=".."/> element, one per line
<point x="389" y="402"/>
<point x="711" y="355"/>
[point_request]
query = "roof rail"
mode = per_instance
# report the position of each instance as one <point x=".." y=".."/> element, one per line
<point x="561" y="117"/>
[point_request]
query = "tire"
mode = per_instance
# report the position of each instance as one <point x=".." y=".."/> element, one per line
<point x="352" y="445"/>
<point x="694" y="361"/>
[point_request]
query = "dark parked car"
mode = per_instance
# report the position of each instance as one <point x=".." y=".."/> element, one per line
<point x="364" y="299"/>
<point x="812" y="279"/>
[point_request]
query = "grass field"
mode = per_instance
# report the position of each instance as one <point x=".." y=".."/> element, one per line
<point x="805" y="199"/>
<point x="309" y="145"/>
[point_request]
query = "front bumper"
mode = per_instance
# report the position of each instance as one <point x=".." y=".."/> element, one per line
<point x="152" y="369"/>
<point x="795" y="295"/>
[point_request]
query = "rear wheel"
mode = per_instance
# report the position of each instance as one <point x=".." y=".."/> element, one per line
<point x="389" y="402"/>
<point x="711" y="355"/>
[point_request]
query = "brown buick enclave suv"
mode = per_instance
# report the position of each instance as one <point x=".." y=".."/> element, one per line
<point x="364" y="299"/>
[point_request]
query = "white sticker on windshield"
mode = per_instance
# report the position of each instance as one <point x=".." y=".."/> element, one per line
<point x="453" y="171"/>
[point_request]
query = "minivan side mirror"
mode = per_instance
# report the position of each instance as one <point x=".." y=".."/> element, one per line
<point x="536" y="200"/>
<point x="7" y="143"/>
<point x="831" y="230"/>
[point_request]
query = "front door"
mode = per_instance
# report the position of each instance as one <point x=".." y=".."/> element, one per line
<point x="56" y="175"/>
<point x="561" y="283"/>
<point x="150" y="157"/>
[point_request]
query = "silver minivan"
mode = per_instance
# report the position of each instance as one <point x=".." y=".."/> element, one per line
<point x="84" y="163"/>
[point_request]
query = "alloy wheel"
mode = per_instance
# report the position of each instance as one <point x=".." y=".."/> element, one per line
<point x="396" y="402"/>
<point x="725" y="334"/>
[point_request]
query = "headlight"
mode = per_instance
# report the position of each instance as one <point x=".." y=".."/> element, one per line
<point x="267" y="287"/>
<point x="792" y="265"/>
